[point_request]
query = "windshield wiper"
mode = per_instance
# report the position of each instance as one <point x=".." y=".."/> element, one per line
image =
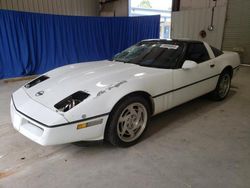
<point x="118" y="60"/>
<point x="127" y="61"/>
<point x="123" y="61"/>
<point x="131" y="62"/>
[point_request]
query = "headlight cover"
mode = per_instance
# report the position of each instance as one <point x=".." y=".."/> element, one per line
<point x="71" y="101"/>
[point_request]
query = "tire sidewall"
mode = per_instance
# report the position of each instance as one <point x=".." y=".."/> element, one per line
<point x="216" y="94"/>
<point x="111" y="128"/>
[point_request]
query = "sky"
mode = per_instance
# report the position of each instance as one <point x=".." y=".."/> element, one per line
<point x="156" y="4"/>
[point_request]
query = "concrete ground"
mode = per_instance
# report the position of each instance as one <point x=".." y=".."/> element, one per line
<point x="199" y="144"/>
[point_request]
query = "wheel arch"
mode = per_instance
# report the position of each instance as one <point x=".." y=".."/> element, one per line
<point x="228" y="69"/>
<point x="144" y="94"/>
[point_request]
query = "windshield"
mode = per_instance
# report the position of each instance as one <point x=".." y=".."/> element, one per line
<point x="152" y="54"/>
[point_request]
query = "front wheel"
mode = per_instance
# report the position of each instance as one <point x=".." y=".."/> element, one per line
<point x="128" y="122"/>
<point x="223" y="86"/>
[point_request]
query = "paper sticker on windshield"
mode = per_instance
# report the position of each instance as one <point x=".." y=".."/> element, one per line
<point x="169" y="46"/>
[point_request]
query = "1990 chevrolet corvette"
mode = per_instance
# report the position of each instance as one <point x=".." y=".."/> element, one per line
<point x="113" y="100"/>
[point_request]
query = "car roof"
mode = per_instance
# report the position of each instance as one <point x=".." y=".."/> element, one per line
<point x="172" y="40"/>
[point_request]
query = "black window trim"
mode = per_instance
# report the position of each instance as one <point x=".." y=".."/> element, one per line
<point x="214" y="49"/>
<point x="198" y="42"/>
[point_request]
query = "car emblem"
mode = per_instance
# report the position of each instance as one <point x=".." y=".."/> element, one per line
<point x="39" y="93"/>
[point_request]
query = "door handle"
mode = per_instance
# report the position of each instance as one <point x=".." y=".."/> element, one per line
<point x="212" y="65"/>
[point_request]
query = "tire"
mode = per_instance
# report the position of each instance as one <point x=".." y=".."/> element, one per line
<point x="127" y="122"/>
<point x="222" y="88"/>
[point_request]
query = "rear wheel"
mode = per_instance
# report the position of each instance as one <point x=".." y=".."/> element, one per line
<point x="223" y="87"/>
<point x="128" y="122"/>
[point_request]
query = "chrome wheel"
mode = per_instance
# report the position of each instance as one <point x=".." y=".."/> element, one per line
<point x="132" y="122"/>
<point x="224" y="85"/>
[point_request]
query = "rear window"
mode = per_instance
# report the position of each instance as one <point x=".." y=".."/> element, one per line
<point x="216" y="51"/>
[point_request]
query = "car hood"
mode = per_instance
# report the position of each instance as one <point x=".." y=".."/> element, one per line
<point x="91" y="78"/>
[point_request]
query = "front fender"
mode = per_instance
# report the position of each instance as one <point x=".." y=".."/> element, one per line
<point x="104" y="100"/>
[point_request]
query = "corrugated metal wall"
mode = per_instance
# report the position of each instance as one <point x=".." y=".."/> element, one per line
<point x="237" y="28"/>
<point x="62" y="7"/>
<point x="188" y="24"/>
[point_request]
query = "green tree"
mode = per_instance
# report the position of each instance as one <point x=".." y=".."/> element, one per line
<point x="145" y="4"/>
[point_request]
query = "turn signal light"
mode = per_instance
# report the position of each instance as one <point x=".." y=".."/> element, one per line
<point x="81" y="125"/>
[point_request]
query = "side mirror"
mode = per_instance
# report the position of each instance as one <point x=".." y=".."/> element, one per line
<point x="188" y="64"/>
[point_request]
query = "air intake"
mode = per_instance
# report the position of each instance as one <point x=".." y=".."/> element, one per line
<point x="36" y="81"/>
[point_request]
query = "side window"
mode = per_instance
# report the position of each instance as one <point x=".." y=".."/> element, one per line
<point x="216" y="51"/>
<point x="197" y="52"/>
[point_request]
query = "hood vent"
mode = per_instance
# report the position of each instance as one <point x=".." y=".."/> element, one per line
<point x="36" y="81"/>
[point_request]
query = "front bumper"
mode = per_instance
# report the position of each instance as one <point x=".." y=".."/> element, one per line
<point x="66" y="133"/>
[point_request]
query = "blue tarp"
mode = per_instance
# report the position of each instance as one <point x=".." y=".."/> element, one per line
<point x="32" y="43"/>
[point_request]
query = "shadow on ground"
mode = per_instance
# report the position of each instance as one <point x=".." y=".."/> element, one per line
<point x="197" y="106"/>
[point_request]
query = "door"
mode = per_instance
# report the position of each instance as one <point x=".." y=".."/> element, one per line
<point x="191" y="83"/>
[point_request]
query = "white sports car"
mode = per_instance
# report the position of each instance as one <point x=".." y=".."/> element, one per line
<point x="113" y="100"/>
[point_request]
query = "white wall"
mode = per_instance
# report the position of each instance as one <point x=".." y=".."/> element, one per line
<point x="194" y="16"/>
<point x="63" y="7"/>
<point x="232" y="24"/>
